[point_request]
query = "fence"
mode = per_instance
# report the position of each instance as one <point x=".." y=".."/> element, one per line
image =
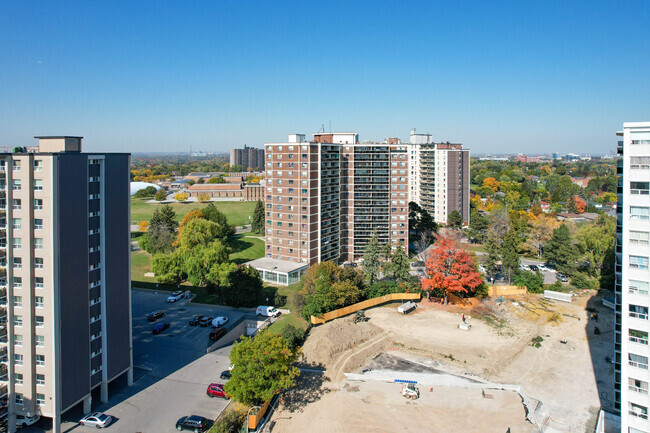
<point x="565" y="297"/>
<point x="362" y="306"/>
<point x="496" y="291"/>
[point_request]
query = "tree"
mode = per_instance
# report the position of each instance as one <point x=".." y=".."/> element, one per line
<point x="237" y="286"/>
<point x="161" y="231"/>
<point x="199" y="231"/>
<point x="534" y="282"/>
<point x="492" y="248"/>
<point x="203" y="196"/>
<point x="594" y="242"/>
<point x="143" y="226"/>
<point x="191" y="182"/>
<point x="193" y="214"/>
<point x="455" y="219"/>
<point x="491" y="183"/>
<point x="262" y="368"/>
<point x="327" y="287"/>
<point x="371" y="259"/>
<point x="215" y="215"/>
<point x="168" y="267"/>
<point x="450" y="268"/>
<point x="257" y="224"/>
<point x="198" y="262"/>
<point x="160" y="195"/>
<point x="218" y="179"/>
<point x="560" y="251"/>
<point x="541" y="232"/>
<point x="509" y="255"/>
<point x="181" y="196"/>
<point x="576" y="205"/>
<point x="147" y="192"/>
<point x="478" y="226"/>
<point x="399" y="266"/>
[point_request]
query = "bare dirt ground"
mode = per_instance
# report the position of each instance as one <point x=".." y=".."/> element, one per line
<point x="497" y="349"/>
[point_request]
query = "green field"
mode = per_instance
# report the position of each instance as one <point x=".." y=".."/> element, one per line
<point x="245" y="248"/>
<point x="236" y="211"/>
<point x="141" y="263"/>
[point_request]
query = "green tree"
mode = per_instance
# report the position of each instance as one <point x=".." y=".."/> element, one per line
<point x="560" y="251"/>
<point x="198" y="232"/>
<point x="455" y="219"/>
<point x="371" y="261"/>
<point x="168" y="268"/>
<point x="164" y="216"/>
<point x="478" y="226"/>
<point x="212" y="213"/>
<point x="509" y="255"/>
<point x="326" y="287"/>
<point x="198" y="261"/>
<point x="258" y="217"/>
<point x="160" y="195"/>
<point x="595" y="240"/>
<point x="534" y="282"/>
<point x="492" y="248"/>
<point x="147" y="192"/>
<point x="237" y="286"/>
<point x="399" y="266"/>
<point x="262" y="368"/>
<point x="218" y="179"/>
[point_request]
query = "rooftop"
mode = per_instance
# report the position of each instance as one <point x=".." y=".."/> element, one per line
<point x="276" y="265"/>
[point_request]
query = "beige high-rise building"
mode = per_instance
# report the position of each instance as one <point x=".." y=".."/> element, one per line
<point x="325" y="198"/>
<point x="65" y="306"/>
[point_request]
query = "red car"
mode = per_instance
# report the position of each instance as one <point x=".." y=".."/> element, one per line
<point x="216" y="390"/>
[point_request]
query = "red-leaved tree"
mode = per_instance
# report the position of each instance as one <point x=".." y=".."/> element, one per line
<point x="450" y="268"/>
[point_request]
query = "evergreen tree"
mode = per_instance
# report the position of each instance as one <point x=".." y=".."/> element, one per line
<point x="560" y="251"/>
<point x="371" y="259"/>
<point x="509" y="255"/>
<point x="478" y="226"/>
<point x="493" y="256"/>
<point x="455" y="219"/>
<point x="399" y="264"/>
<point x="258" y="218"/>
<point x="164" y="217"/>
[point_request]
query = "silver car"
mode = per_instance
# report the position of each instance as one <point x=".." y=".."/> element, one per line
<point x="97" y="419"/>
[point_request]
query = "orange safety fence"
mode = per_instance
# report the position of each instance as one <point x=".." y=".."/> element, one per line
<point x="507" y="291"/>
<point x="255" y="419"/>
<point x="362" y="306"/>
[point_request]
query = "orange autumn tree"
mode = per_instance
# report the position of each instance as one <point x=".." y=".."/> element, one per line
<point x="450" y="268"/>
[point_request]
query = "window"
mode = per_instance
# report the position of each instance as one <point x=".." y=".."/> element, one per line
<point x="640" y="337"/>
<point x="638" y="361"/>
<point x="16" y="204"/>
<point x="38" y="301"/>
<point x="40" y="360"/>
<point x="17" y="243"/>
<point x="642" y="188"/>
<point x="18" y="301"/>
<point x="40" y="321"/>
<point x="40" y="379"/>
<point x="15" y="165"/>
<point x="639" y="162"/>
<point x="38" y="223"/>
<point x="38" y="282"/>
<point x="638" y="287"/>
<point x="40" y="399"/>
<point x="18" y="340"/>
<point x="16" y="184"/>
<point x="637" y="385"/>
<point x="18" y="282"/>
<point x="18" y="320"/>
<point x="38" y="165"/>
<point x="18" y="359"/>
<point x="639" y="262"/>
<point x="17" y="263"/>
<point x="18" y="379"/>
<point x="38" y="184"/>
<point x="38" y="243"/>
<point x="38" y="204"/>
<point x="639" y="212"/>
<point x="96" y="370"/>
<point x="38" y="263"/>
<point x="17" y="223"/>
<point x="639" y="238"/>
<point x="40" y="341"/>
<point x="638" y="410"/>
<point x="19" y="396"/>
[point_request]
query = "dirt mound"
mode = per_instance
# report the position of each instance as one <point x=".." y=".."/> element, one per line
<point x="327" y="342"/>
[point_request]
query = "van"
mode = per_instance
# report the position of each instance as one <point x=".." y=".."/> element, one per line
<point x="264" y="310"/>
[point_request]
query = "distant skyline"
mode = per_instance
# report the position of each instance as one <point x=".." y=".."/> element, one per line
<point x="151" y="76"/>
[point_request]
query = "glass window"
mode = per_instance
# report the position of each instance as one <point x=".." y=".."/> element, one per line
<point x="40" y="360"/>
<point x="38" y="223"/>
<point x="16" y="184"/>
<point x="642" y="188"/>
<point x="18" y="340"/>
<point x="40" y="379"/>
<point x="638" y="410"/>
<point x="18" y="379"/>
<point x="17" y="223"/>
<point x="16" y="204"/>
<point x="18" y="282"/>
<point x="38" y="263"/>
<point x="17" y="263"/>
<point x="38" y="282"/>
<point x="19" y="396"/>
<point x="637" y="385"/>
<point x="18" y="359"/>
<point x="17" y="243"/>
<point x="38" y="204"/>
<point x="639" y="212"/>
<point x="40" y="341"/>
<point x="38" y="165"/>
<point x="38" y="300"/>
<point x="38" y="243"/>
<point x="39" y="321"/>
<point x="18" y="301"/>
<point x="16" y="165"/>
<point x="638" y="361"/>
<point x="640" y="238"/>
<point x="640" y="337"/>
<point x="639" y="262"/>
<point x="18" y="320"/>
<point x="38" y="184"/>
<point x="40" y="399"/>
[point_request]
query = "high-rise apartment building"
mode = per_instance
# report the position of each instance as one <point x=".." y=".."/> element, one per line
<point x="248" y="157"/>
<point x="633" y="279"/>
<point x="65" y="304"/>
<point x="439" y="177"/>
<point x="327" y="197"/>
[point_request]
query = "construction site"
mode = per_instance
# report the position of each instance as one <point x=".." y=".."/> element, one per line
<point x="508" y="364"/>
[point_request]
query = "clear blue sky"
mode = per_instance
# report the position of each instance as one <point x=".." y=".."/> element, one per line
<point x="158" y="75"/>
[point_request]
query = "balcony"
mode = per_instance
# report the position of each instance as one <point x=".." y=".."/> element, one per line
<point x="3" y="373"/>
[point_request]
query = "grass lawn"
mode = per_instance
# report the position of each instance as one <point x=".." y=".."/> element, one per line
<point x="474" y="247"/>
<point x="236" y="211"/>
<point x="245" y="248"/>
<point x="141" y="263"/>
<point x="289" y="319"/>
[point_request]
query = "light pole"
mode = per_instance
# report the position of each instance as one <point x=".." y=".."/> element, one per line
<point x="247" y="415"/>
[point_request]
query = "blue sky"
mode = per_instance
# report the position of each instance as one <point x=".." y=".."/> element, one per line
<point x="163" y="75"/>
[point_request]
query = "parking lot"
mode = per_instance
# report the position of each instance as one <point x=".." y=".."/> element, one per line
<point x="171" y="371"/>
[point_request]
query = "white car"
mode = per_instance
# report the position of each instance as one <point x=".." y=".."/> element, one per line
<point x="23" y="420"/>
<point x="481" y="269"/>
<point x="219" y="321"/>
<point x="97" y="419"/>
<point x="176" y="296"/>
<point x="524" y="267"/>
<point x="542" y="267"/>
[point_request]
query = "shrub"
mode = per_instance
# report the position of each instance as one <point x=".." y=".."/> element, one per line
<point x="230" y="422"/>
<point x="145" y="192"/>
<point x="294" y="336"/>
<point x="181" y="196"/>
<point x="537" y="341"/>
<point x="204" y="196"/>
<point x="160" y="195"/>
<point x="582" y="281"/>
<point x="533" y="281"/>
<point x="279" y="300"/>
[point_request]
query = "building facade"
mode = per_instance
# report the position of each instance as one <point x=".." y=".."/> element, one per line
<point x="65" y="303"/>
<point x="248" y="157"/>
<point x="439" y="177"/>
<point x="326" y="198"/>
<point x="633" y="279"/>
<point x="228" y="191"/>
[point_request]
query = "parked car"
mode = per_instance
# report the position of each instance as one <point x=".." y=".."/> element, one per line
<point x="524" y="267"/>
<point x="219" y="321"/>
<point x="24" y="420"/>
<point x="533" y="268"/>
<point x="216" y="390"/>
<point x="152" y="317"/>
<point x="160" y="327"/>
<point x="561" y="277"/>
<point x="206" y="320"/>
<point x="264" y="310"/>
<point x="195" y="320"/>
<point x="97" y="419"/>
<point x="542" y="267"/>
<point x="176" y="296"/>
<point x="193" y="423"/>
<point x="217" y="333"/>
<point x="481" y="268"/>
<point x="225" y="375"/>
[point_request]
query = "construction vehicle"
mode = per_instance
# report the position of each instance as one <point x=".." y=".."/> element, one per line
<point x="410" y="391"/>
<point x="360" y="316"/>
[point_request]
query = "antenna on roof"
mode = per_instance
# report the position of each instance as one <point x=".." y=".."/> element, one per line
<point x="322" y="127"/>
